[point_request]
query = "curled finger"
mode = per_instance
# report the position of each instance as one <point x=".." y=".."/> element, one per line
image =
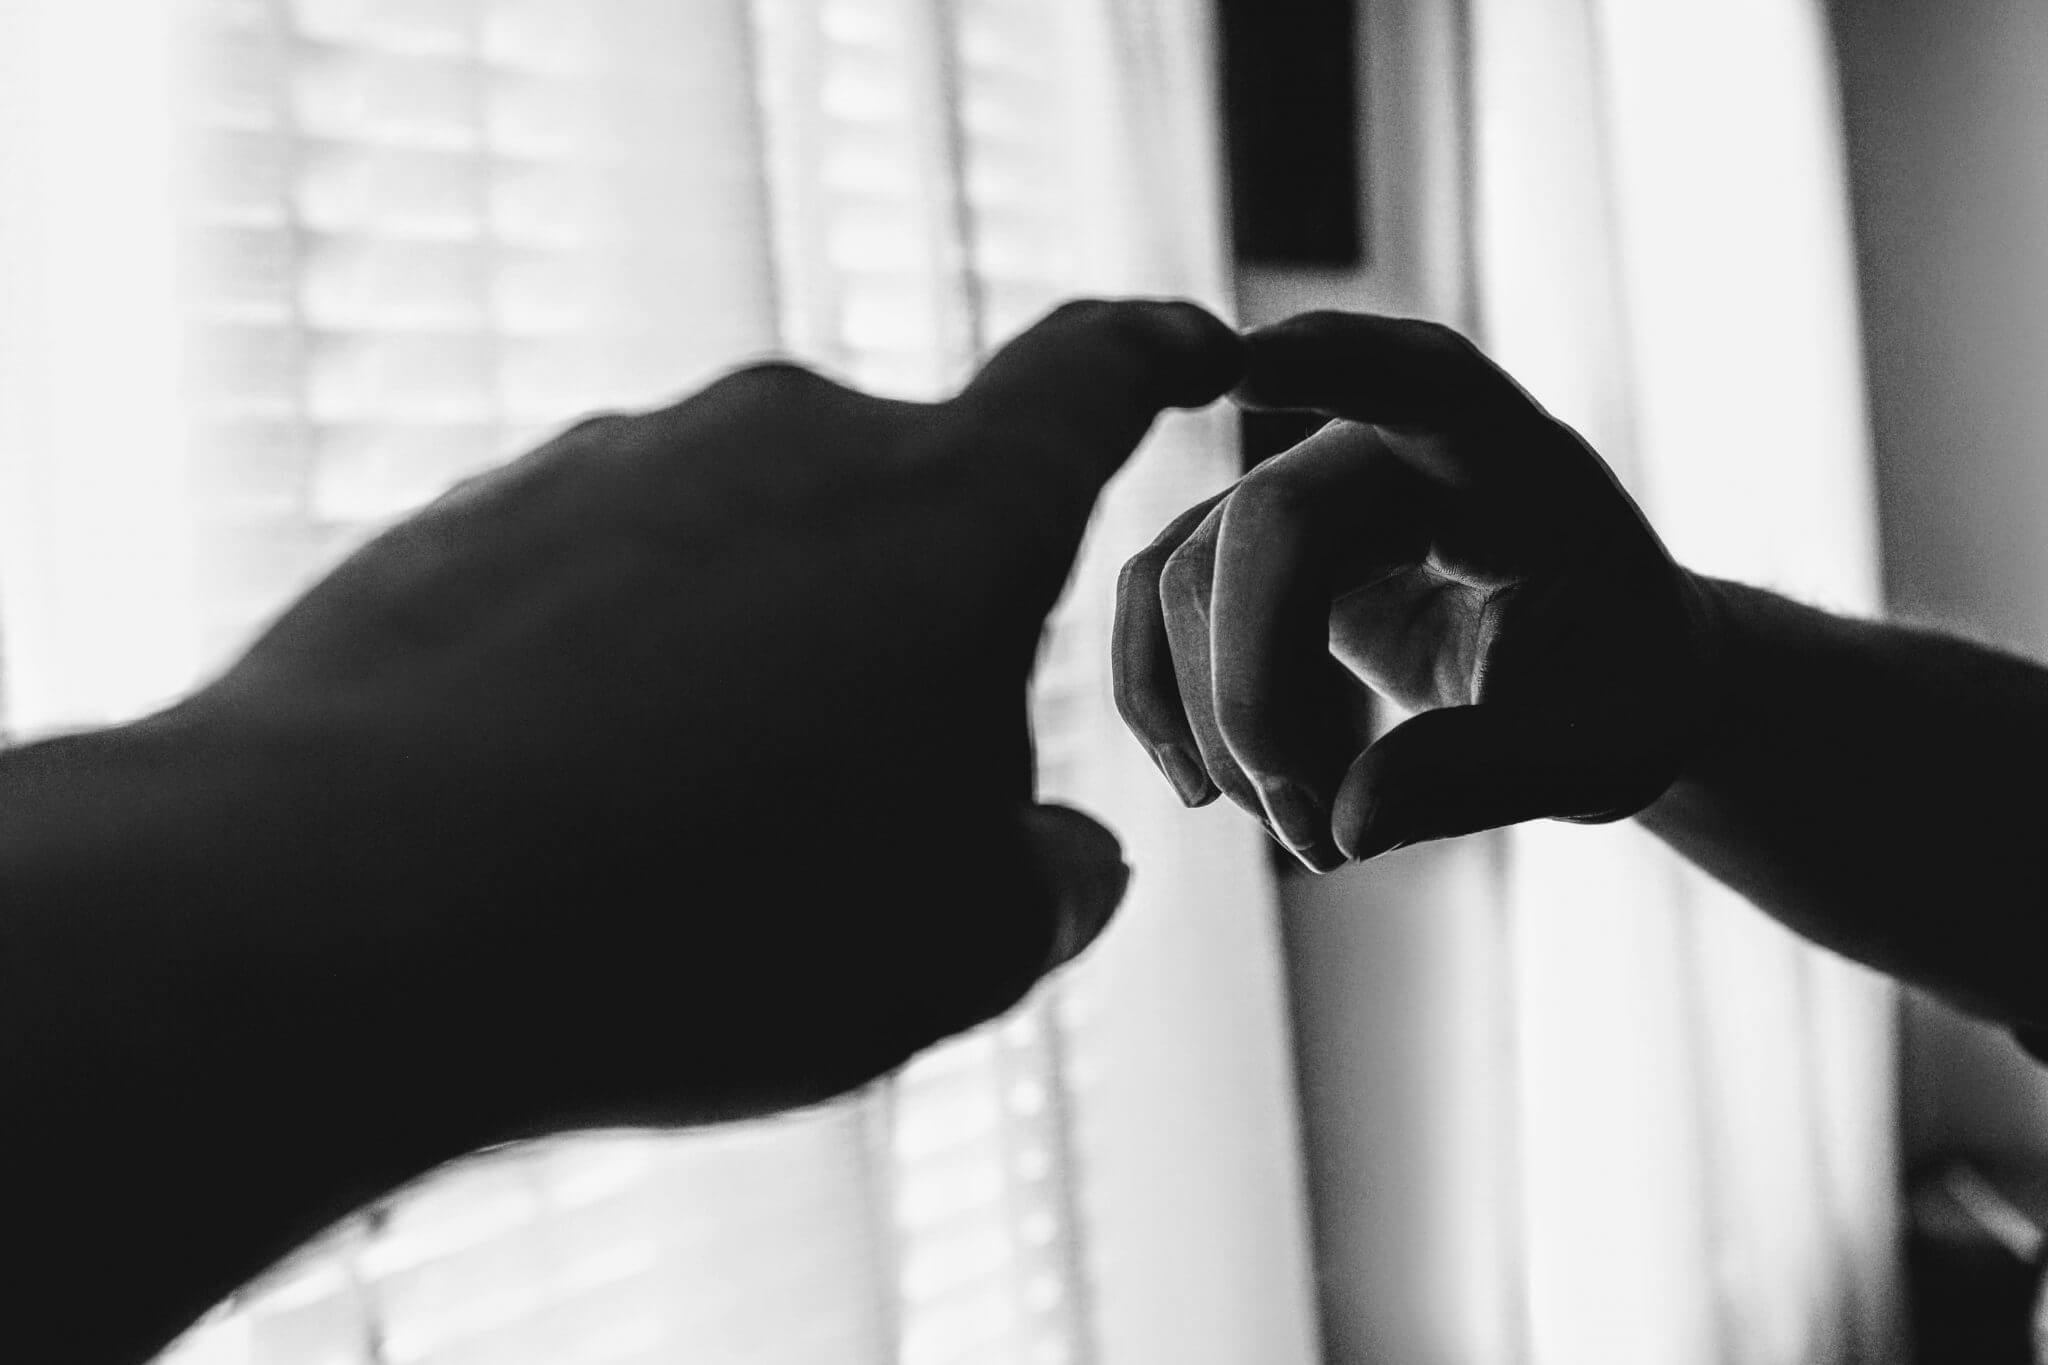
<point x="1141" y="660"/>
<point x="1301" y="530"/>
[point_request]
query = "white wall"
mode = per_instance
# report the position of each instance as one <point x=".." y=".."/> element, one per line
<point x="1947" y="109"/>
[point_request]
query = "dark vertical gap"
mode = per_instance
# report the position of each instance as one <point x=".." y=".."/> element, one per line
<point x="1294" y="132"/>
<point x="1293" y="129"/>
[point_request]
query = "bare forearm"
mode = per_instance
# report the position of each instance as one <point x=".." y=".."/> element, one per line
<point x="1879" y="789"/>
<point x="169" y="1127"/>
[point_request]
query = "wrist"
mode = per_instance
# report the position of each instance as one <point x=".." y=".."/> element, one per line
<point x="1715" y="699"/>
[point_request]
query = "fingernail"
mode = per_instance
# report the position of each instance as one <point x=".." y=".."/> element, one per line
<point x="1186" y="775"/>
<point x="1301" y="821"/>
<point x="1373" y="837"/>
<point x="1319" y="860"/>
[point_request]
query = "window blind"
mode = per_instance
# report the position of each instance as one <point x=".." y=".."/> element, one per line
<point x="415" y="239"/>
<point x="418" y="237"/>
<point x="391" y="242"/>
<point x="884" y="121"/>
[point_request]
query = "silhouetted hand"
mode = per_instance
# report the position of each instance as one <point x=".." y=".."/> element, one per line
<point x="1458" y="551"/>
<point x="680" y="770"/>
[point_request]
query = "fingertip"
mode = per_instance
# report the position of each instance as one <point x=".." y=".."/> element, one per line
<point x="1370" y="367"/>
<point x="1294" y="363"/>
<point x="1177" y="352"/>
<point x="1213" y="355"/>
<point x="1190" y="782"/>
<point x="1166" y="352"/>
<point x="1081" y="866"/>
<point x="1362" y="823"/>
<point x="1076" y="838"/>
<point x="1088" y="380"/>
<point x="1362" y="842"/>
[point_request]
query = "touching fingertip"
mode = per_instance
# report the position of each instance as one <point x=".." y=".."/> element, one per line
<point x="1359" y="832"/>
<point x="1272" y="378"/>
<point x="1214" y="352"/>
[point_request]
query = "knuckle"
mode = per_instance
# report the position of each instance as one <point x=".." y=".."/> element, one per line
<point x="1266" y="496"/>
<point x="1082" y="312"/>
<point x="589" y="438"/>
<point x="469" y="490"/>
<point x="773" y="383"/>
<point x="596" y="426"/>
<point x="579" y="438"/>
<point x="1139" y="576"/>
<point x="1185" y="577"/>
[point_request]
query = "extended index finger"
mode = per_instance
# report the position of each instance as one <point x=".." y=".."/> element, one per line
<point x="1445" y="408"/>
<point x="1085" y="383"/>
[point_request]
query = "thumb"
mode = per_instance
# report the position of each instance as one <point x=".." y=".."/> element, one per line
<point x="1081" y="871"/>
<point x="1462" y="769"/>
<point x="1054" y="879"/>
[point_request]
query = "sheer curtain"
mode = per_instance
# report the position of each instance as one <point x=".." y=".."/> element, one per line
<point x="274" y="271"/>
<point x="1568" y="1102"/>
<point x="1705" y="1120"/>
